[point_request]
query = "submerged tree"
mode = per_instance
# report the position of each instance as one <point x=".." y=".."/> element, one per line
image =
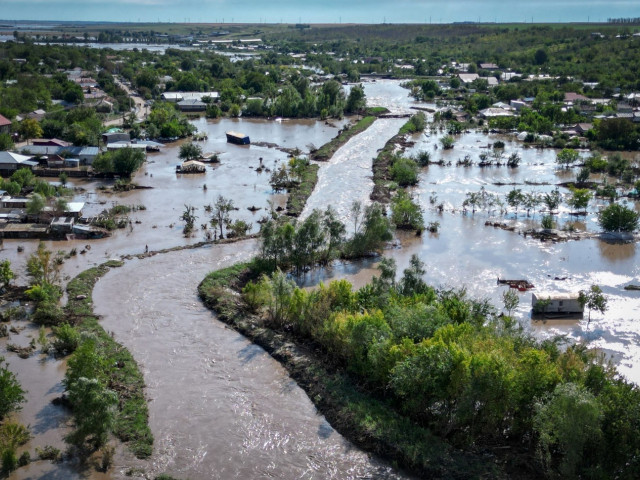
<point x="221" y="213"/>
<point x="593" y="299"/>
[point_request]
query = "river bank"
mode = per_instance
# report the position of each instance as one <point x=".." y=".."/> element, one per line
<point x="367" y="420"/>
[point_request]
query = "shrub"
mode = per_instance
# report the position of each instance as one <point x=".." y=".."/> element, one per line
<point x="11" y="393"/>
<point x="404" y="171"/>
<point x="67" y="339"/>
<point x="447" y="142"/>
<point x="547" y="222"/>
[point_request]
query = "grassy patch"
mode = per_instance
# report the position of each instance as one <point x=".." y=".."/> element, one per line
<point x="325" y="152"/>
<point x="376" y="111"/>
<point x="299" y="194"/>
<point x="123" y="373"/>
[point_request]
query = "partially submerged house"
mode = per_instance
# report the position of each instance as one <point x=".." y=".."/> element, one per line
<point x="556" y="304"/>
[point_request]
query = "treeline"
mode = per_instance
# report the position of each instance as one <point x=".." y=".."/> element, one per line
<point x="455" y="366"/>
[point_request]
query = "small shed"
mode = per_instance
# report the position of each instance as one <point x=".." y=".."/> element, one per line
<point x="558" y="303"/>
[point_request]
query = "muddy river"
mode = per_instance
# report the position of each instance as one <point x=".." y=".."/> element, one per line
<point x="220" y="407"/>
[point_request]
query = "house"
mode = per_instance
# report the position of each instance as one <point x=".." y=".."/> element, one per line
<point x="192" y="106"/>
<point x="50" y="142"/>
<point x="62" y="225"/>
<point x="5" y="125"/>
<point x="115" y="137"/>
<point x="489" y="66"/>
<point x="495" y="112"/>
<point x="176" y="97"/>
<point x="74" y="209"/>
<point x="572" y="97"/>
<point x="13" y="202"/>
<point x="468" y="77"/>
<point x="518" y="104"/>
<point x="583" y="128"/>
<point x="556" y="304"/>
<point x="10" y="162"/>
<point x="492" y="81"/>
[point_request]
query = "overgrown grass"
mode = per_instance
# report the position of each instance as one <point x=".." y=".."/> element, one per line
<point x="367" y="420"/>
<point x="299" y="194"/>
<point x="124" y="376"/>
<point x="325" y="152"/>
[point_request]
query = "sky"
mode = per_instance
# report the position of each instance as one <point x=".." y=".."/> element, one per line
<point x="326" y="11"/>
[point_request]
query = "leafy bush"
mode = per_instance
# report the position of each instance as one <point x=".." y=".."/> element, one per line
<point x="11" y="394"/>
<point x="404" y="171"/>
<point x="67" y="339"/>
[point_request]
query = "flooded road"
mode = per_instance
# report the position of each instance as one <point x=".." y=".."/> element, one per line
<point x="220" y="407"/>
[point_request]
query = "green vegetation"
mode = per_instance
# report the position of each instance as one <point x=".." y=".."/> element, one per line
<point x="618" y="218"/>
<point x="446" y="364"/>
<point x="406" y="213"/>
<point x="11" y="394"/>
<point x="105" y="386"/>
<point x="6" y="274"/>
<point x="124" y="162"/>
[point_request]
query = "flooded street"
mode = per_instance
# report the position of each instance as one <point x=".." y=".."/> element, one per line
<point x="220" y="407"/>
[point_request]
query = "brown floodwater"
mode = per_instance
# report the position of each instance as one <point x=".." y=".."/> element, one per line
<point x="220" y="407"/>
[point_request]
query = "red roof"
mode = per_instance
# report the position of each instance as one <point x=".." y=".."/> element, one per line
<point x="4" y="121"/>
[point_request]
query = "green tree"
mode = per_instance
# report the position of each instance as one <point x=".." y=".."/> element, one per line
<point x="510" y="300"/>
<point x="405" y="212"/>
<point x="566" y="422"/>
<point x="515" y="198"/>
<point x="94" y="408"/>
<point x="190" y="151"/>
<point x="593" y="299"/>
<point x="618" y="218"/>
<point x="356" y="101"/>
<point x="30" y="128"/>
<point x="11" y="393"/>
<point x="411" y="282"/>
<point x="103" y="163"/>
<point x="189" y="217"/>
<point x="6" y="142"/>
<point x="63" y="177"/>
<point x="404" y="171"/>
<point x="567" y="156"/>
<point x="127" y="160"/>
<point x="221" y="213"/>
<point x="580" y="198"/>
<point x="552" y="200"/>
<point x="36" y="204"/>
